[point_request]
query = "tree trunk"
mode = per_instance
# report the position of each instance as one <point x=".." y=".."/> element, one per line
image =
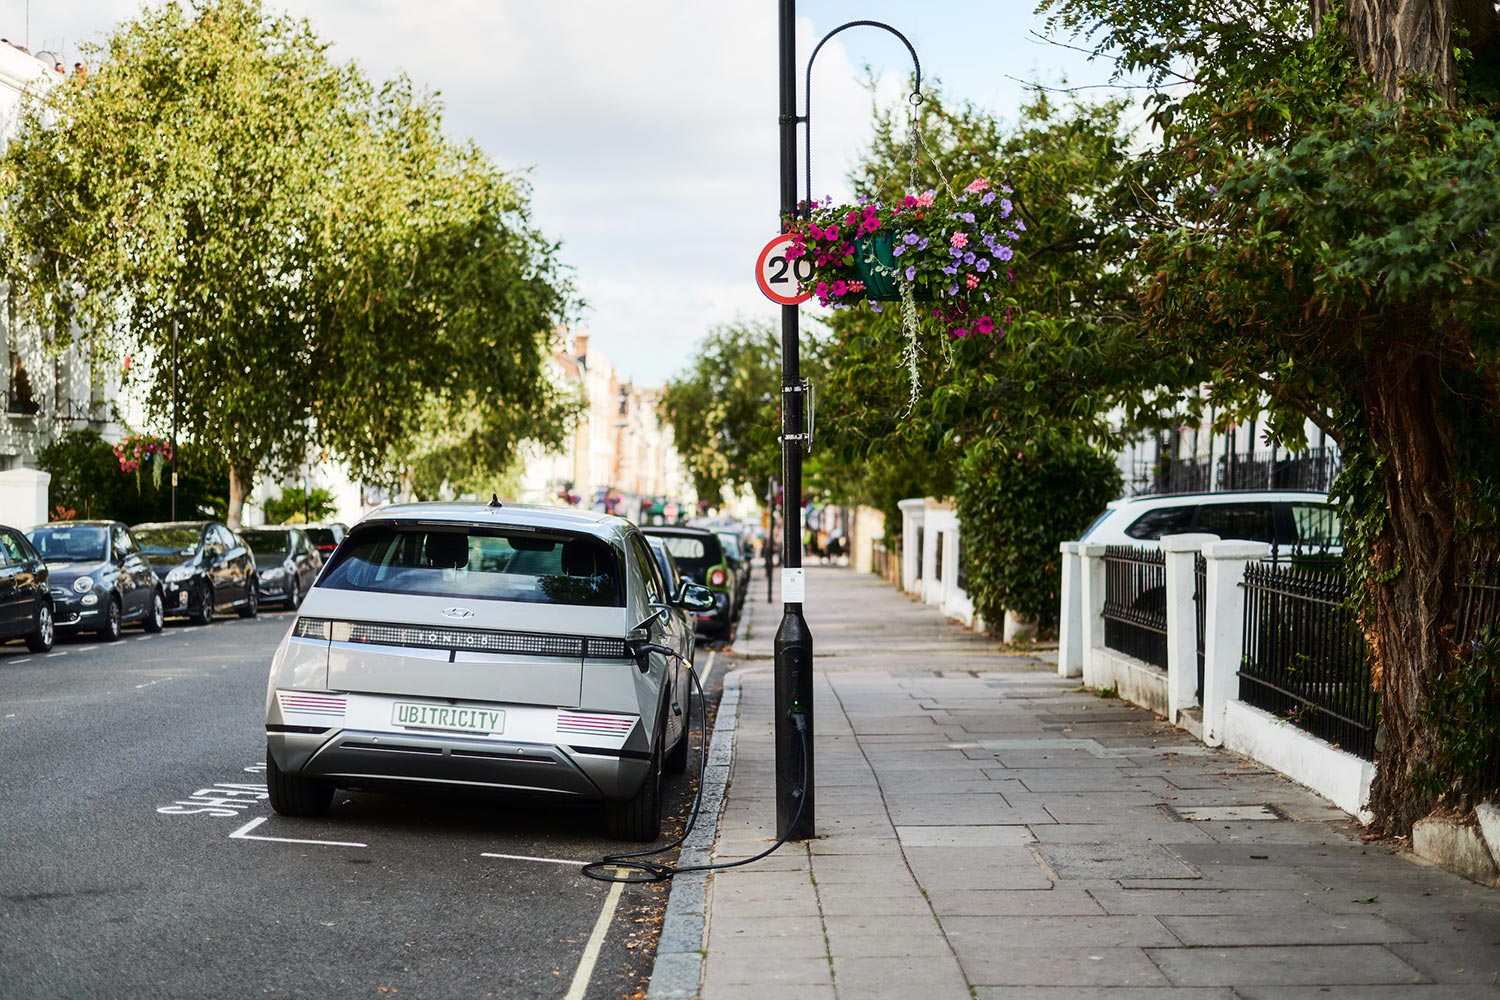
<point x="241" y="482"/>
<point x="1396" y="40"/>
<point x="1410" y="629"/>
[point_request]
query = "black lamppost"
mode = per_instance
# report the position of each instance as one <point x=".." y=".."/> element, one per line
<point x="795" y="813"/>
<point x="176" y="315"/>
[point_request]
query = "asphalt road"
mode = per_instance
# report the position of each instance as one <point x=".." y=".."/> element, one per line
<point x="138" y="856"/>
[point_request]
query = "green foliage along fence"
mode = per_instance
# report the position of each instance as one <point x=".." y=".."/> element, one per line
<point x="87" y="480"/>
<point x="1017" y="502"/>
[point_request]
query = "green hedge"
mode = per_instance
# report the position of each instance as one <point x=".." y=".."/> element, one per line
<point x="86" y="479"/>
<point x="1016" y="502"/>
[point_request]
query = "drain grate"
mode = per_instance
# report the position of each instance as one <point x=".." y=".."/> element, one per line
<point x="1259" y="811"/>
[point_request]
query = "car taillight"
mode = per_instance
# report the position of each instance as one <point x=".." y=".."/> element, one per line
<point x="718" y="578"/>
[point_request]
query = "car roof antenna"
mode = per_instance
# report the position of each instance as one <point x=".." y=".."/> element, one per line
<point x="495" y="500"/>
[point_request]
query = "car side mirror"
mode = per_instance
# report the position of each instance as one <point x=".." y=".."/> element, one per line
<point x="695" y="596"/>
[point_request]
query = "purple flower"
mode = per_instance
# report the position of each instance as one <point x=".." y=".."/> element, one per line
<point x="955" y="253"/>
<point x="898" y="250"/>
<point x="968" y="217"/>
<point x="952" y="290"/>
<point x="969" y="257"/>
<point x="911" y="273"/>
<point x="1020" y="224"/>
<point x="1005" y="207"/>
<point x="910" y="239"/>
<point x="1004" y="253"/>
<point x="950" y="269"/>
<point x="989" y="196"/>
<point x="981" y="265"/>
<point x="875" y="307"/>
<point x="923" y="244"/>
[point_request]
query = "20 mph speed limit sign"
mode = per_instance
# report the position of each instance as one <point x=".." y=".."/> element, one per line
<point x="779" y="277"/>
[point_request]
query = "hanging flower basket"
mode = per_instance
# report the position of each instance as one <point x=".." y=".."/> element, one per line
<point x="952" y="249"/>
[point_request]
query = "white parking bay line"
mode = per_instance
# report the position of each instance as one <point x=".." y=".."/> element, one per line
<point x="596" y="942"/>
<point x="243" y="833"/>
<point x="712" y="662"/>
<point x="545" y="861"/>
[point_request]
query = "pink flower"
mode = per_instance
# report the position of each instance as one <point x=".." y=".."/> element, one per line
<point x="957" y="333"/>
<point x="926" y="198"/>
<point x="984" y="325"/>
<point x="908" y="202"/>
<point x="959" y="240"/>
<point x="851" y="218"/>
<point x="838" y="288"/>
<point x="855" y="287"/>
<point x="972" y="280"/>
<point x="831" y="234"/>
<point x="814" y="231"/>
<point x="821" y="290"/>
<point x="979" y="185"/>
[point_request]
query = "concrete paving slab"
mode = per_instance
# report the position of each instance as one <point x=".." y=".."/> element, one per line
<point x="1055" y="902"/>
<point x="1101" y="993"/>
<point x="931" y="977"/>
<point x="987" y="965"/>
<point x="1300" y="926"/>
<point x="1060" y="933"/>
<point x="1259" y="904"/>
<point x="1121" y="859"/>
<point x="1317" y="965"/>
<point x="964" y="836"/>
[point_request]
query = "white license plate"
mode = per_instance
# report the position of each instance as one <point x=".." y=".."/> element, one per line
<point x="450" y="718"/>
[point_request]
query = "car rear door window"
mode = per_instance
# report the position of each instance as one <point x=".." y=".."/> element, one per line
<point x="486" y="563"/>
<point x="1247" y="521"/>
<point x="1162" y="521"/>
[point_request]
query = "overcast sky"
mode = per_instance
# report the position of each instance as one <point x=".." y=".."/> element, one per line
<point x="648" y="127"/>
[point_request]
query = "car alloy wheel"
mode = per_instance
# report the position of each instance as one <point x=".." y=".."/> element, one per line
<point x="40" y="641"/>
<point x="252" y="598"/>
<point x="294" y="594"/>
<point x="205" y="612"/>
<point x="111" y="629"/>
<point x="156" y="617"/>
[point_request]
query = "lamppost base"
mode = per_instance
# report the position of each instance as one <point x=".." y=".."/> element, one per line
<point x="795" y="812"/>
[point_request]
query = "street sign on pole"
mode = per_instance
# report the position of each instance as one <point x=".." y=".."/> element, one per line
<point x="780" y="277"/>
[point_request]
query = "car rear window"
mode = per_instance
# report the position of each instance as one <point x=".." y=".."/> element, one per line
<point x="268" y="542"/>
<point x="694" y="553"/>
<point x="323" y="539"/>
<point x="487" y="563"/>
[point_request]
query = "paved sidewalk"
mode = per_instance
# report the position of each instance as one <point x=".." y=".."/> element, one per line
<point x="987" y="830"/>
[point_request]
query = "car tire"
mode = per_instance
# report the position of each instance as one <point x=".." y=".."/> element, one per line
<point x="251" y="607"/>
<point x="40" y="639"/>
<point x="156" y="615"/>
<point x="294" y="595"/>
<point x="205" y="613"/>
<point x="294" y="795"/>
<point x="676" y="760"/>
<point x="112" y="615"/>
<point x="638" y="818"/>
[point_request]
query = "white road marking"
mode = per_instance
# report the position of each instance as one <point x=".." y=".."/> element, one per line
<point x="60" y="652"/>
<point x="243" y="833"/>
<point x="526" y="857"/>
<point x="596" y="942"/>
<point x="149" y="683"/>
<point x="712" y="662"/>
<point x="142" y="638"/>
<point x="24" y="659"/>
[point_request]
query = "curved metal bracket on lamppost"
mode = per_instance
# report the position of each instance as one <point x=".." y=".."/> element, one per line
<point x="795" y="815"/>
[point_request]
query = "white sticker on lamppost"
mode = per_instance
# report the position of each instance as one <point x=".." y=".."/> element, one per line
<point x="793" y="586"/>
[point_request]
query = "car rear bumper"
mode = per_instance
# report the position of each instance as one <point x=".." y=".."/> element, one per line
<point x="357" y="758"/>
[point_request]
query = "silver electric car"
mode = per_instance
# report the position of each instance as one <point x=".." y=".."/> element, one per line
<point x="523" y="649"/>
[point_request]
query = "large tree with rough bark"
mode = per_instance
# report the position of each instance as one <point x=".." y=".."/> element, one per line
<point x="344" y="277"/>
<point x="1323" y="199"/>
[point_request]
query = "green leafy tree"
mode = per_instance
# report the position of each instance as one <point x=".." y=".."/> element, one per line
<point x="1321" y="213"/>
<point x="298" y="506"/>
<point x="87" y="479"/>
<point x="334" y="262"/>
<point x="724" y="409"/>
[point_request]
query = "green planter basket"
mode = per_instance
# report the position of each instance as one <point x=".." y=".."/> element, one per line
<point x="880" y="282"/>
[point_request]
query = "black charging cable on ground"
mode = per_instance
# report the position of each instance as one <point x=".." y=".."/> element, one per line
<point x="637" y="870"/>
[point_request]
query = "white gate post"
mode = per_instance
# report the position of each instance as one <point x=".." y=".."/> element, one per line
<point x="1070" y="614"/>
<point x="1092" y="601"/>
<point x="1224" y="629"/>
<point x="1180" y="552"/>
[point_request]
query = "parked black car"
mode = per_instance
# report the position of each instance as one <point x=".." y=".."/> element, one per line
<point x="738" y="557"/>
<point x="700" y="558"/>
<point x="203" y="566"/>
<point x="326" y="536"/>
<point x="99" y="579"/>
<point x="25" y="603"/>
<point x="286" y="562"/>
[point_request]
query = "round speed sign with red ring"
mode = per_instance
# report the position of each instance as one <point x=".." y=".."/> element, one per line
<point x="780" y="277"/>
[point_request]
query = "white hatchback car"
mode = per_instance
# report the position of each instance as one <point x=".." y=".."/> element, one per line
<point x="1292" y="521"/>
<point x="524" y="649"/>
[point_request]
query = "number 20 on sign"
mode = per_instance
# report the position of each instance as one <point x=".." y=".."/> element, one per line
<point x="779" y="277"/>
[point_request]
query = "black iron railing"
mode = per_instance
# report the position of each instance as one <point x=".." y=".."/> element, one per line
<point x="1272" y="469"/>
<point x="1478" y="599"/>
<point x="1135" y="603"/>
<point x="1304" y="657"/>
<point x="1200" y="612"/>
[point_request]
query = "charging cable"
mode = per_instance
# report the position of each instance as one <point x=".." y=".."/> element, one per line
<point x="638" y="870"/>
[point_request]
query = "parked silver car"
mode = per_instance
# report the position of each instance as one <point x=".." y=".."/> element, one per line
<point x="525" y="649"/>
